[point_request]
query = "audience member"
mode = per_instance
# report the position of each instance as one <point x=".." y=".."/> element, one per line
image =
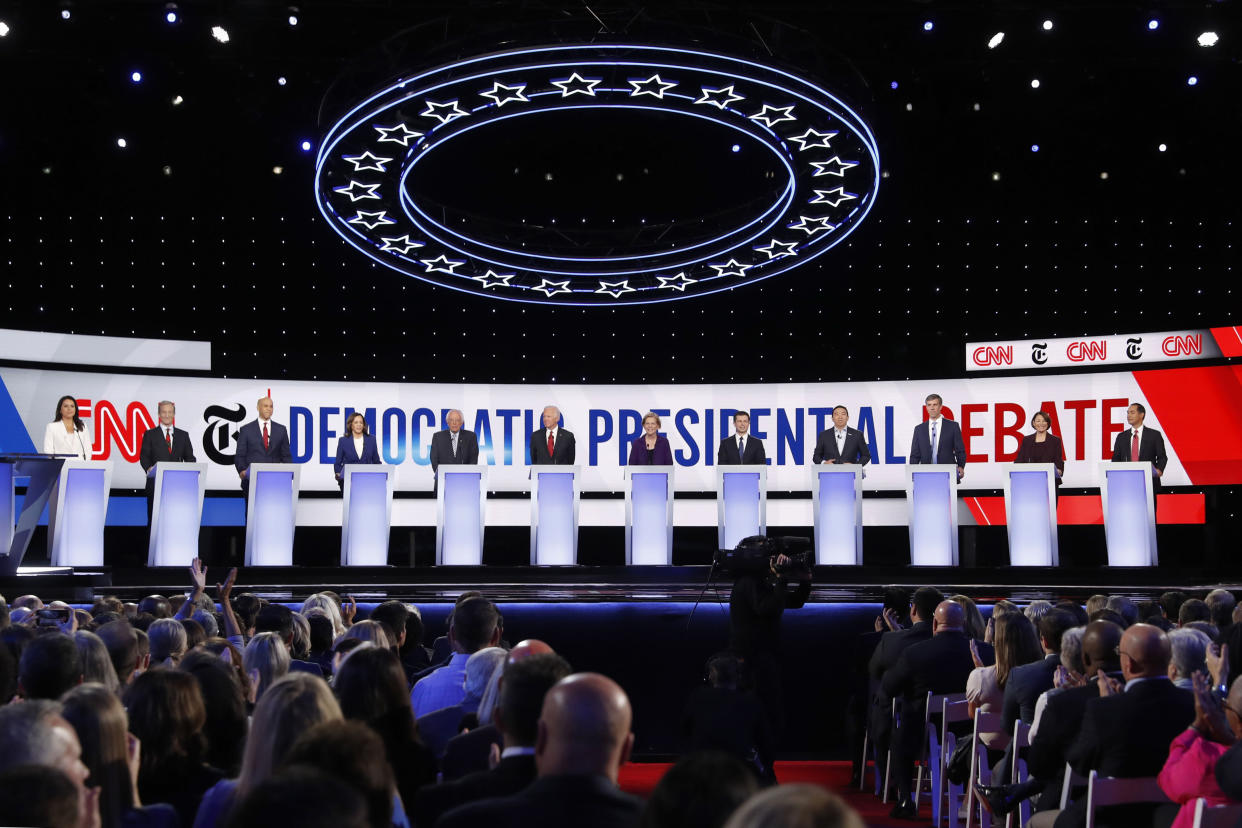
<point x="1124" y="607"/>
<point x="41" y="795"/>
<point x="156" y="605"/>
<point x="168" y="641"/>
<point x="353" y="753"/>
<point x="1015" y="643"/>
<point x="701" y="791"/>
<point x="475" y="626"/>
<point x="391" y="616"/>
<point x="304" y="797"/>
<point x="1205" y="627"/>
<point x="1188" y="654"/>
<point x="1171" y="603"/>
<point x="49" y="666"/>
<point x="722" y="717"/>
<point x="1027" y="682"/>
<point x="266" y="660"/>
<point x="1069" y="672"/>
<point x="1075" y="609"/>
<point x="1036" y="610"/>
<point x="414" y="655"/>
<point x="224" y="702"/>
<point x="974" y="626"/>
<point x="96" y="665"/>
<point x="1221" y="604"/>
<point x="299" y="645"/>
<point x="246" y="607"/>
<point x="438" y="726"/>
<point x="122" y="644"/>
<point x="795" y="806"/>
<point x="370" y="631"/>
<point x="1096" y="603"/>
<point x="207" y="620"/>
<point x="34" y="733"/>
<point x="320" y="653"/>
<point x="278" y="620"/>
<point x="322" y="601"/>
<point x="1190" y="771"/>
<point x="1193" y="609"/>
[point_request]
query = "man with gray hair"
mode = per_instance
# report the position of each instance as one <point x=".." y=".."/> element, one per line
<point x="453" y="445"/>
<point x="1221" y="603"/>
<point x="1189" y="655"/>
<point x="552" y="445"/>
<point x="1037" y="610"/>
<point x="165" y="443"/>
<point x="35" y="733"/>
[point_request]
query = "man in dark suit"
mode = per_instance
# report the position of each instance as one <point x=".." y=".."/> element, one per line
<point x="583" y="738"/>
<point x="260" y="441"/>
<point x="1139" y="443"/>
<point x="453" y="445"/>
<point x="841" y="444"/>
<point x="742" y="448"/>
<point x="552" y="445"/>
<point x="163" y="444"/>
<point x="939" y="665"/>
<point x="938" y="440"/>
<point x="525" y="684"/>
<point x="1028" y="681"/>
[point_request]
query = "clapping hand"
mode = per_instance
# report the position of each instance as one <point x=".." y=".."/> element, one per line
<point x="349" y="610"/>
<point x="1210" y="719"/>
<point x="1108" y="685"/>
<point x="890" y="618"/>
<point x="1218" y="663"/>
<point x="974" y="654"/>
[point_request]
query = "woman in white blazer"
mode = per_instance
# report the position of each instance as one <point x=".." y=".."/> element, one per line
<point x="67" y="434"/>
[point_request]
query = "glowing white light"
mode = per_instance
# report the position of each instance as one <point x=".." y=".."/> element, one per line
<point x="178" y="100"/>
<point x="503" y="94"/>
<point x="1192" y="81"/>
<point x="170" y="16"/>
<point x="1034" y="147"/>
<point x="220" y="34"/>
<point x="736" y="148"/>
<point x="1035" y="83"/>
<point x="277" y="170"/>
<point x="65" y="14"/>
<point x="996" y="176"/>
<point x="136" y="77"/>
<point x="677" y="283"/>
<point x="770" y="116"/>
<point x="720" y="98"/>
<point x="306" y="145"/>
<point x="1153" y="24"/>
<point x="615" y="289"/>
<point x="1163" y="147"/>
<point x="442" y="264"/>
<point x="4" y="29"/>
<point x="1104" y="175"/>
<point x="551" y="288"/>
<point x="928" y="25"/>
<point x="1208" y="39"/>
<point x="282" y="80"/>
<point x="400" y="244"/>
<point x="293" y="20"/>
<point x="997" y="39"/>
<point x="827" y="197"/>
<point x="122" y="143"/>
<point x="493" y="279"/>
<point x="1047" y="25"/>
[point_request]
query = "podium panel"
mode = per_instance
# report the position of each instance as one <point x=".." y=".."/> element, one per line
<point x="461" y="509"/>
<point x="649" y="515"/>
<point x="554" y="516"/>
<point x="43" y="472"/>
<point x="79" y="507"/>
<point x="271" y="513"/>
<point x="176" y="513"/>
<point x="931" y="498"/>
<point x="837" y="504"/>
<point x="1031" y="513"/>
<point x="1128" y="496"/>
<point x="366" y="514"/>
<point x="741" y="503"/>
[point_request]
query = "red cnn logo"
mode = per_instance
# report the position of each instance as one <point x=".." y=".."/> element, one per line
<point x="1182" y="345"/>
<point x="986" y="355"/>
<point x="1090" y="351"/>
<point x="111" y="428"/>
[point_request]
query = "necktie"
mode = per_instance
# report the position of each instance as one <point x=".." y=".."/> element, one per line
<point x="265" y="436"/>
<point x="168" y="439"/>
<point x="551" y="444"/>
<point x="1134" y="447"/>
<point x="454" y="446"/>
<point x="741" y="448"/>
<point x="933" y="440"/>
<point x="840" y="443"/>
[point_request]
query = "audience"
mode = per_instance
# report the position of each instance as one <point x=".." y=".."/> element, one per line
<point x="304" y="797"/>
<point x="795" y="806"/>
<point x="50" y="665"/>
<point x="475" y="626"/>
<point x="266" y="660"/>
<point x="1015" y="644"/>
<point x="96" y="663"/>
<point x="353" y="753"/>
<point x="1028" y="681"/>
<point x="1190" y="771"/>
<point x="168" y="640"/>
<point x="34" y="733"/>
<point x="438" y="726"/>
<point x="1188" y="650"/>
<point x="701" y="791"/>
<point x="41" y="795"/>
<point x="1221" y="603"/>
<point x="224" y="701"/>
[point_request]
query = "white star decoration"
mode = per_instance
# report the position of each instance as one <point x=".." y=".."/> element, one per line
<point x="652" y="86"/>
<point x="833" y="166"/>
<point x="731" y="268"/>
<point x="615" y="289"/>
<point x="502" y="94"/>
<point x="811" y="139"/>
<point x="575" y="84"/>
<point x="438" y="264"/>
<point x="777" y="249"/>
<point x="825" y="196"/>
<point x="443" y="112"/>
<point x="403" y="134"/>
<point x="400" y="244"/>
<point x="719" y="98"/>
<point x="358" y="191"/>
<point x="493" y="279"/>
<point x="551" y="288"/>
<point x="371" y="220"/>
<point x="678" y="283"/>
<point x="811" y="226"/>
<point x="768" y="116"/>
<point x="367" y="161"/>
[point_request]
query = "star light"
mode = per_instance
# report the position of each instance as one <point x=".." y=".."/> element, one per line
<point x="678" y="283"/>
<point x="720" y="98"/>
<point x="551" y="288"/>
<point x="575" y="84"/>
<point x="438" y="265"/>
<point x="645" y="87"/>
<point x="493" y="279"/>
<point x="615" y="289"/>
<point x="403" y="136"/>
<point x="400" y="244"/>
<point x="811" y="226"/>
<point x="762" y="116"/>
<point x="358" y="191"/>
<point x="778" y="249"/>
<point x="371" y="220"/>
<point x="502" y="94"/>
<point x="824" y="196"/>
<point x="812" y="139"/>
<point x="437" y="111"/>
<point x="367" y="161"/>
<point x="731" y="268"/>
<point x="833" y="166"/>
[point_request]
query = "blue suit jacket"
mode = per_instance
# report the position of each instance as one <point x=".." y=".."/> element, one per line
<point x="250" y="445"/>
<point x="345" y="452"/>
<point x="950" y="448"/>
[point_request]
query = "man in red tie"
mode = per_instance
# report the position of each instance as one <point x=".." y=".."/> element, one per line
<point x="163" y="444"/>
<point x="260" y="441"/>
<point x="552" y="445"/>
<point x="1138" y="443"/>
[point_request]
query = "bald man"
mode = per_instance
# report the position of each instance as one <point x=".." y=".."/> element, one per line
<point x="261" y="441"/>
<point x="939" y="665"/>
<point x="454" y="444"/>
<point x="583" y="738"/>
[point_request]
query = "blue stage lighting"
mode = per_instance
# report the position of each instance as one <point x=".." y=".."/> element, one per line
<point x="1153" y="24"/>
<point x="136" y="77"/>
<point x="1034" y="147"/>
<point x="1192" y="81"/>
<point x="306" y="146"/>
<point x="928" y="25"/>
<point x="736" y="147"/>
<point x="893" y="85"/>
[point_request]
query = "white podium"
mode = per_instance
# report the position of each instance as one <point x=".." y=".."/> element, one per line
<point x="176" y="513"/>
<point x="837" y="501"/>
<point x="554" y="515"/>
<point x="649" y="515"/>
<point x="741" y="503"/>
<point x="461" y="509"/>
<point x="43" y="470"/>
<point x="1128" y="495"/>
<point x="1031" y="513"/>
<point x="931" y="498"/>
<point x="77" y="511"/>
<point x="367" y="513"/>
<point x="271" y="509"/>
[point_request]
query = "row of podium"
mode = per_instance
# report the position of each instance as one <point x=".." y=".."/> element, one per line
<point x="77" y="494"/>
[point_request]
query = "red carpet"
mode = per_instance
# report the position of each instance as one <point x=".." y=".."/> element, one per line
<point x="640" y="777"/>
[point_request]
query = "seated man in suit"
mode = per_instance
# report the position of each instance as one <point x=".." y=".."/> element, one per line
<point x="1027" y="682"/>
<point x="841" y="444"/>
<point x="742" y="448"/>
<point x="475" y="626"/>
<point x="939" y="665"/>
<point x="1139" y="443"/>
<point x="453" y="445"/>
<point x="260" y="441"/>
<point x="552" y="445"/>
<point x="939" y="440"/>
<point x="523" y="687"/>
<point x="582" y="740"/>
<point x="164" y="443"/>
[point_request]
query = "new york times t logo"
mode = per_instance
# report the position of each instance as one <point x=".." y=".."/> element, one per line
<point x="1134" y="347"/>
<point x="1039" y="353"/>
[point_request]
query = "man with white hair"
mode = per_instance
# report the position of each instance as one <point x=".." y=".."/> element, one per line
<point x="1189" y="655"/>
<point x="438" y="726"/>
<point x="454" y="444"/>
<point x="552" y="445"/>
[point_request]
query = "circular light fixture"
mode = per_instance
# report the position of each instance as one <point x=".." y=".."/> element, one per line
<point x="826" y="152"/>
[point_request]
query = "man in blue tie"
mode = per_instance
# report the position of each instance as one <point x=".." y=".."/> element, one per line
<point x="939" y="440"/>
<point x="741" y="448"/>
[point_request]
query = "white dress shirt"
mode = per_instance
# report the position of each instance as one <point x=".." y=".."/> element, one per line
<point x="58" y="441"/>
<point x="358" y="446"/>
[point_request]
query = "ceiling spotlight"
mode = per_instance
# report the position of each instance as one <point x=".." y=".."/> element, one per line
<point x="1047" y="25"/>
<point x="736" y="148"/>
<point x="65" y="13"/>
<point x="1104" y="175"/>
<point x="177" y="100"/>
<point x="136" y="77"/>
<point x="167" y="170"/>
<point x="306" y="146"/>
<point x="1034" y="147"/>
<point x="928" y="25"/>
<point x="122" y="143"/>
<point x="1192" y="81"/>
<point x="294" y="14"/>
<point x="220" y="34"/>
<point x="1034" y="83"/>
<point x="997" y="39"/>
<point x="1208" y="39"/>
<point x="171" y="15"/>
<point x="1162" y="147"/>
<point x="893" y="85"/>
<point x="996" y="176"/>
<point x="277" y="170"/>
<point x="281" y="81"/>
<point x="4" y="29"/>
<point x="1153" y="24"/>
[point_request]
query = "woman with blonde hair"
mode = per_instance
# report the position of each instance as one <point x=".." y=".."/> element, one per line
<point x="372" y="631"/>
<point x="322" y="601"/>
<point x="266" y="660"/>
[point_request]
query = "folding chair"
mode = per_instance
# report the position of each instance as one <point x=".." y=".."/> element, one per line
<point x="888" y="755"/>
<point x="932" y="760"/>
<point x="1018" y="773"/>
<point x="980" y="770"/>
<point x="1216" y="816"/>
<point x="1067" y="784"/>
<point x="1103" y="791"/>
<point x="949" y="800"/>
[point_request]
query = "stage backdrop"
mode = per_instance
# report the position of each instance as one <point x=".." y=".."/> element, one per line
<point x="1197" y="409"/>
